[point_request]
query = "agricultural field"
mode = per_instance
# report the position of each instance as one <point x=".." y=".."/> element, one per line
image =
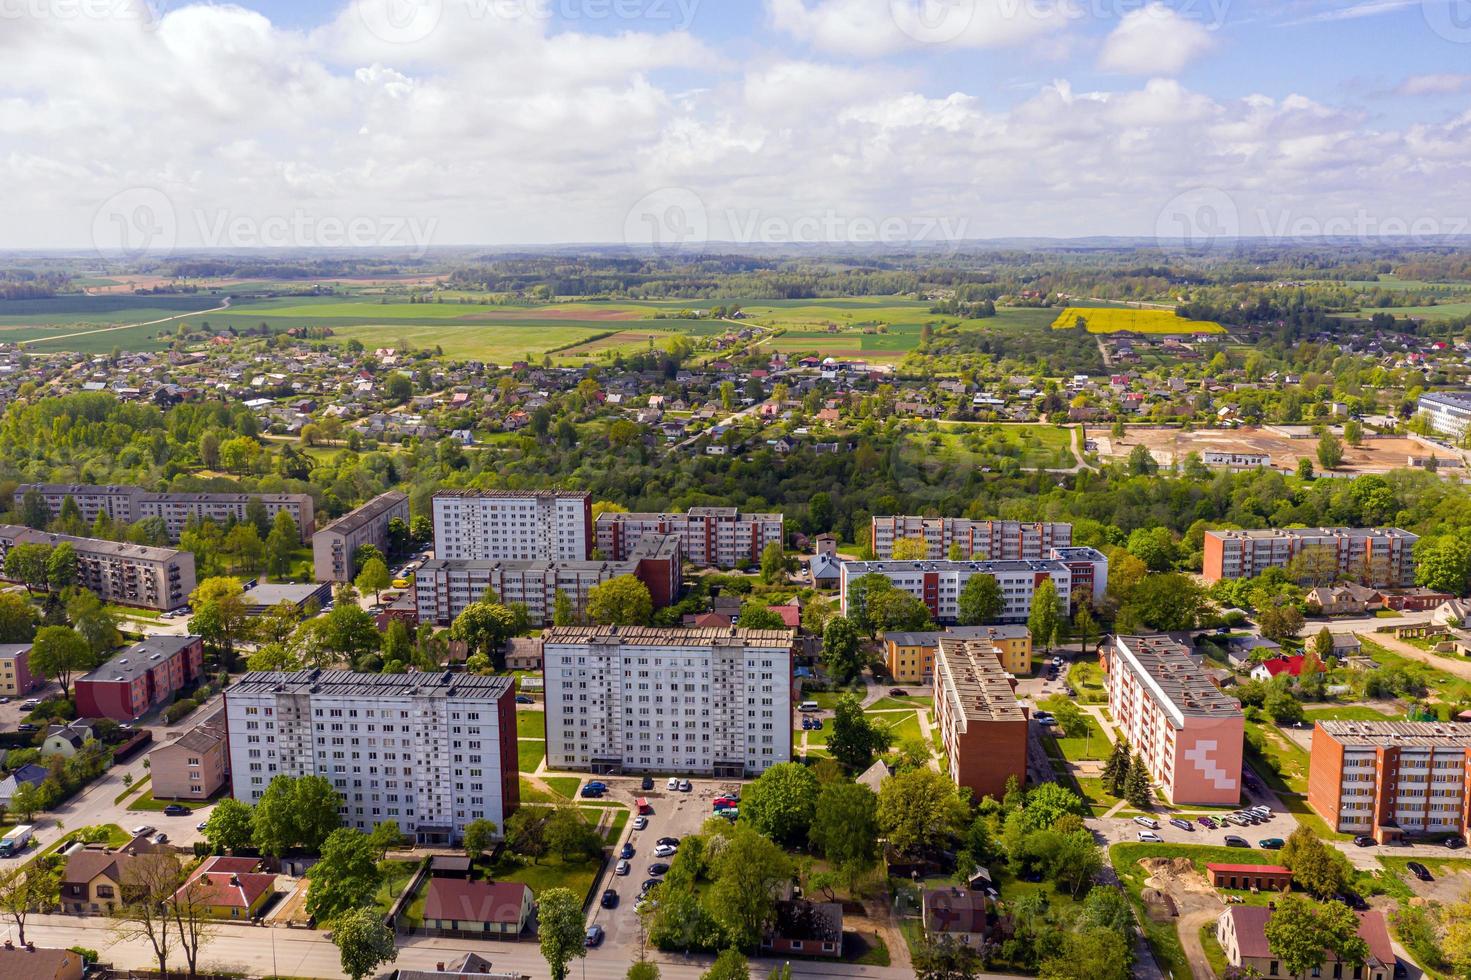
<point x="1440" y="311"/>
<point x="1115" y="320"/>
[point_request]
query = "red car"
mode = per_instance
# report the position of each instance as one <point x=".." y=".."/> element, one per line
<point x="721" y="802"/>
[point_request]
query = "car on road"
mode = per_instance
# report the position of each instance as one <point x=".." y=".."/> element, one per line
<point x="647" y="784"/>
<point x="610" y="899"/>
<point x="622" y="868"/>
<point x="594" y="935"/>
<point x="670" y="841"/>
<point x="1149" y="822"/>
<point x="1150" y="837"/>
<point x="176" y="810"/>
<point x="1419" y="871"/>
<point x="1233" y="841"/>
<point x="898" y="692"/>
<point x="1364" y="841"/>
<point x="523" y="699"/>
<point x="665" y="850"/>
<point x="142" y="830"/>
<point x="1045" y="717"/>
<point x="1271" y="843"/>
<point x="673" y="783"/>
<point x="30" y="703"/>
<point x="26" y="728"/>
<point x="627" y="852"/>
<point x="658" y="869"/>
<point x="1182" y="823"/>
<point x="201" y="825"/>
<point x="640" y="822"/>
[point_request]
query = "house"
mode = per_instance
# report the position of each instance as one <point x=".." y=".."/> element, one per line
<point x="1453" y="611"/>
<point x="1243" y="649"/>
<point x="523" y="653"/>
<point x="457" y="905"/>
<point x="826" y="570"/>
<point x="450" y="866"/>
<point x="1279" y="664"/>
<point x="230" y="887"/>
<point x="32" y="962"/>
<point x="193" y="766"/>
<point x="1415" y="600"/>
<point x="15" y="670"/>
<point x="27" y="775"/>
<point x="1346" y="645"/>
<point x="1241" y="931"/>
<point x="803" y="928"/>
<point x="472" y="966"/>
<point x="1256" y="877"/>
<point x="1345" y="600"/>
<point x="790" y="613"/>
<point x="964" y="916"/>
<point x="93" y="876"/>
<point x="67" y="740"/>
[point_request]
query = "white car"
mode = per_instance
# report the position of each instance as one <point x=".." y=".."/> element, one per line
<point x="1150" y="837"/>
<point x="622" y="868"/>
<point x="673" y="783"/>
<point x="639" y="823"/>
<point x="31" y="703"/>
<point x="665" y="850"/>
<point x="141" y="830"/>
<point x="1149" y="822"/>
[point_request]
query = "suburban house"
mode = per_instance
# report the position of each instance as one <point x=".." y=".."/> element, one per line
<point x="27" y="775"/>
<point x="1292" y="666"/>
<point x="67" y="740"/>
<point x="1241" y="931"/>
<point x="231" y="887"/>
<point x="193" y="766"/>
<point x="472" y="966"/>
<point x="31" y="962"/>
<point x="93" y="878"/>
<point x="458" y="905"/>
<point x="1345" y="600"/>
<point x="965" y="916"/>
<point x="804" y="928"/>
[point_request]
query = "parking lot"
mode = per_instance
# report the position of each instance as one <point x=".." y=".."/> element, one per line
<point x="674" y="814"/>
<point x="11" y="711"/>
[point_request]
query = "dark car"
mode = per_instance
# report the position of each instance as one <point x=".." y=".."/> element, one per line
<point x="1353" y="901"/>
<point x="591" y="793"/>
<point x="1454" y="842"/>
<point x="523" y="699"/>
<point x="898" y="692"/>
<point x="1233" y="841"/>
<point x="1363" y="841"/>
<point x="658" y="869"/>
<point x="594" y="935"/>
<point x="610" y="899"/>
<point x="671" y="841"/>
<point x="176" y="810"/>
<point x="27" y="728"/>
<point x="646" y="886"/>
<point x="1271" y="843"/>
<point x="627" y="852"/>
<point x="648" y="783"/>
<point x="1419" y="871"/>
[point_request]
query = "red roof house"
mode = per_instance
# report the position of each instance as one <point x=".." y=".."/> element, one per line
<point x="462" y="905"/>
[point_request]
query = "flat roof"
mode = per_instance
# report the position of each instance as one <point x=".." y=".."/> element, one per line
<point x="373" y="509"/>
<point x="1458" y="399"/>
<point x="973" y="522"/>
<point x="1391" y="734"/>
<point x="1181" y="685"/>
<point x="1003" y="565"/>
<point x="1315" y="532"/>
<point x="979" y="686"/>
<point x="931" y="638"/>
<point x="272" y="593"/>
<point x="140" y="658"/>
<point x="9" y="651"/>
<point x="511" y="494"/>
<point x="668" y="636"/>
<point x="349" y="684"/>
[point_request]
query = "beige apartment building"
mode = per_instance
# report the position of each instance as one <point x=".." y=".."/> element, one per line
<point x="125" y="574"/>
<point x="334" y="545"/>
<point x="195" y="765"/>
<point x="128" y="505"/>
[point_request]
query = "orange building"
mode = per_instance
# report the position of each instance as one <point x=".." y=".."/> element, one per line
<point x="982" y="726"/>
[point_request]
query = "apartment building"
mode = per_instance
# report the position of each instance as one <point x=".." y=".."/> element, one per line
<point x="938" y="584"/>
<point x="1187" y="732"/>
<point x="443" y="587"/>
<point x="1236" y="462"/>
<point x="910" y="657"/>
<point x="503" y="525"/>
<point x="128" y="505"/>
<point x="1449" y="412"/>
<point x="710" y="702"/>
<point x="982" y="726"/>
<point x="712" y="537"/>
<point x="16" y="678"/>
<point x="1376" y="557"/>
<point x="194" y="765"/>
<point x="1387" y="779"/>
<point x="144" y="677"/>
<point x="1089" y="570"/>
<point x="978" y="540"/>
<point x="430" y="751"/>
<point x="334" y="545"/>
<point x="124" y="574"/>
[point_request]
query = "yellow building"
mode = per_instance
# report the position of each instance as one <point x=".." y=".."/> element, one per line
<point x="910" y="657"/>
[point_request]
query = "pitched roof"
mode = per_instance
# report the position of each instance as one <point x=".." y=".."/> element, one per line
<point x="956" y="910"/>
<point x="1251" y="935"/>
<point x="22" y="963"/>
<point x="474" y="901"/>
<point x="226" y="889"/>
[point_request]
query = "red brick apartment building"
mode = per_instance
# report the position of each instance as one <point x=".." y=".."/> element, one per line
<point x="1377" y="557"/>
<point x="1389" y="779"/>
<point x="145" y="676"/>
<point x="978" y="540"/>
<point x="983" y="727"/>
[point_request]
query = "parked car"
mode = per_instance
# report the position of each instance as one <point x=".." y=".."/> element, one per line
<point x="658" y="869"/>
<point x="665" y="850"/>
<point x="640" y="822"/>
<point x="591" y="793"/>
<point x="1149" y="822"/>
<point x="1454" y="842"/>
<point x="160" y="838"/>
<point x="176" y="810"/>
<point x="806" y="724"/>
<point x="594" y="935"/>
<point x="1206" y="822"/>
<point x="622" y="868"/>
<point x="685" y="786"/>
<point x="669" y="841"/>
<point x="1182" y="823"/>
<point x="597" y="784"/>
<point x="673" y="783"/>
<point x="817" y="724"/>
<point x="30" y="703"/>
<point x="1419" y="871"/>
<point x="1150" y="837"/>
<point x="647" y="885"/>
<point x="627" y="851"/>
<point x="648" y="783"/>
<point x="523" y="699"/>
<point x="1364" y="841"/>
<point x="1271" y="843"/>
<point x="142" y="830"/>
<point x="26" y="728"/>
<point x="721" y="802"/>
<point x="898" y="692"/>
<point x="1233" y="841"/>
<point x="610" y="899"/>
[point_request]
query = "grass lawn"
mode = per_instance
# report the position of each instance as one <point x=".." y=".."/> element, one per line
<point x="615" y="829"/>
<point x="898" y="704"/>
<point x="1288" y="758"/>
<point x="529" y="753"/>
<point x="828" y="700"/>
<point x="1449" y="687"/>
<point x="1345" y="712"/>
<point x="531" y="724"/>
<point x="146" y="802"/>
<point x="394" y="878"/>
<point x="116" y="837"/>
<point x="1213" y="951"/>
<point x="875" y="952"/>
<point x="1399" y="866"/>
<point x="901" y="727"/>
<point x="1091" y="743"/>
<point x="1100" y="799"/>
<point x="818" y="737"/>
<point x="136" y="787"/>
<point x="1087" y="679"/>
<point x="551" y="872"/>
<point x="564" y="785"/>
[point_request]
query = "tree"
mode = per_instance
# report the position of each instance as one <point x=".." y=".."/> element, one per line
<point x="894" y="610"/>
<point x="59" y="652"/>
<point x="911" y="549"/>
<point x="34" y="513"/>
<point x="17" y="619"/>
<point x="1076" y="862"/>
<point x="1116" y="769"/>
<point x="1085" y="627"/>
<point x="1280" y="622"/>
<point x="245" y="548"/>
<point x="373" y="578"/>
<point x="845" y="828"/>
<point x="230" y="826"/>
<point x="1323" y="644"/>
<point x="781" y="802"/>
<point x="1163" y="603"/>
<point x="749" y="872"/>
<point x="526" y="832"/>
<point x="644" y="970"/>
<point x="1137" y="788"/>
<point x="363" y="942"/>
<point x="1155" y="546"/>
<point x="855" y="739"/>
<point x="1301" y="932"/>
<point x="620" y="601"/>
<point x="1330" y="451"/>
<point x="33" y="887"/>
<point x="1443" y="564"/>
<point x="220" y="613"/>
<point x="344" y="877"/>
<point x="295" y="812"/>
<point x="1092" y="954"/>
<point x="981" y="600"/>
<point x="26" y="563"/>
<point x="348" y="630"/>
<point x="559" y="918"/>
<point x="775" y="565"/>
<point x="841" y="646"/>
<point x="484" y="627"/>
<point x="920" y="811"/>
<point x="385" y="835"/>
<point x="479" y="837"/>
<point x="90" y="618"/>
<point x="945" y="959"/>
<point x="1046" y="615"/>
<point x="570" y="836"/>
<point x="755" y="616"/>
<point x="146" y="885"/>
<point x="728" y="965"/>
<point x="364" y="554"/>
<point x="398" y="387"/>
<point x="860" y="592"/>
<point x="1322" y="871"/>
<point x="191" y="909"/>
<point x="61" y="566"/>
<point x="563" y="613"/>
<point x="1282" y="706"/>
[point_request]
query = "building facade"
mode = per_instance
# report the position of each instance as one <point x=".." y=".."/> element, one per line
<point x="144" y="677"/>
<point x="938" y="584"/>
<point x="714" y="702"/>
<point x="1376" y="557"/>
<point x="502" y="525"/>
<point x="1386" y="779"/>
<point x="1242" y="932"/>
<point x="982" y="726"/>
<point x="712" y="537"/>
<point x="910" y="657"/>
<point x="1187" y="732"/>
<point x="195" y="765"/>
<point x="431" y="751"/>
<point x="124" y="574"/>
<point x="977" y="540"/>
<point x="15" y="670"/>
<point x="334" y="545"/>
<point x="1449" y="412"/>
<point x="128" y="505"/>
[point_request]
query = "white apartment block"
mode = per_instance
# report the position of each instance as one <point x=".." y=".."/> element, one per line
<point x="710" y="702"/>
<point x="1387" y="779"/>
<point x="504" y="525"/>
<point x="977" y="540"/>
<point x="1375" y="557"/>
<point x="938" y="584"/>
<point x="1449" y="412"/>
<point x="128" y="505"/>
<point x="712" y="537"/>
<point x="430" y="751"/>
<point x="1188" y="733"/>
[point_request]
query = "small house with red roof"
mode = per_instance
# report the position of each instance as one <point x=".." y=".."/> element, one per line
<point x="1292" y="666"/>
<point x="1248" y="876"/>
<point x="1242" y="932"/>
<point x="459" y="905"/>
<point x="229" y="887"/>
<point x="968" y="917"/>
<point x="791" y="615"/>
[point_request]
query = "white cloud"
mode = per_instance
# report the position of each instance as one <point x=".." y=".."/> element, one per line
<point x="876" y="27"/>
<point x="1442" y="84"/>
<point x="1154" y="40"/>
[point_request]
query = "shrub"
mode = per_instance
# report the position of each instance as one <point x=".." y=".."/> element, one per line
<point x="179" y="709"/>
<point x="88" y="955"/>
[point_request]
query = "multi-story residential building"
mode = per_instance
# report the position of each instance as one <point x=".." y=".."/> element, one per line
<point x="977" y="540"/>
<point x="1449" y="412"/>
<point x="144" y="677"/>
<point x="15" y="670"/>
<point x="1187" y="732"/>
<point x="910" y="657"/>
<point x="1377" y="557"/>
<point x="712" y="537"/>
<point x="1386" y="779"/>
<point x="1236" y="462"/>
<point x="430" y="751"/>
<point x="128" y="505"/>
<point x="193" y="766"/>
<point x="506" y="525"/>
<point x="125" y="574"/>
<point x="715" y="702"/>
<point x="938" y="584"/>
<point x="982" y="726"/>
<point x="1089" y="568"/>
<point x="443" y="587"/>
<point x="333" y="546"/>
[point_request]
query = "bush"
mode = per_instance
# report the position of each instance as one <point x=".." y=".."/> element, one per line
<point x="88" y="956"/>
<point x="179" y="709"/>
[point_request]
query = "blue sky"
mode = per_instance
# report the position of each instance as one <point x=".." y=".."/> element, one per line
<point x="527" y="121"/>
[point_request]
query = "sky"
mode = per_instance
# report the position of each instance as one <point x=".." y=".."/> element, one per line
<point x="148" y="126"/>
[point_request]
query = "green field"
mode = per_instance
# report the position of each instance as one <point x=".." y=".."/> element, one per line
<point x="1441" y="311"/>
<point x="970" y="444"/>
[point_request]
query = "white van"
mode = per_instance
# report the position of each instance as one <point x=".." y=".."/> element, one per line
<point x="808" y="706"/>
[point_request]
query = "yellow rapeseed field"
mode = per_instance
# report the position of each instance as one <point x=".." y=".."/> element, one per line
<point x="1114" y="320"/>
